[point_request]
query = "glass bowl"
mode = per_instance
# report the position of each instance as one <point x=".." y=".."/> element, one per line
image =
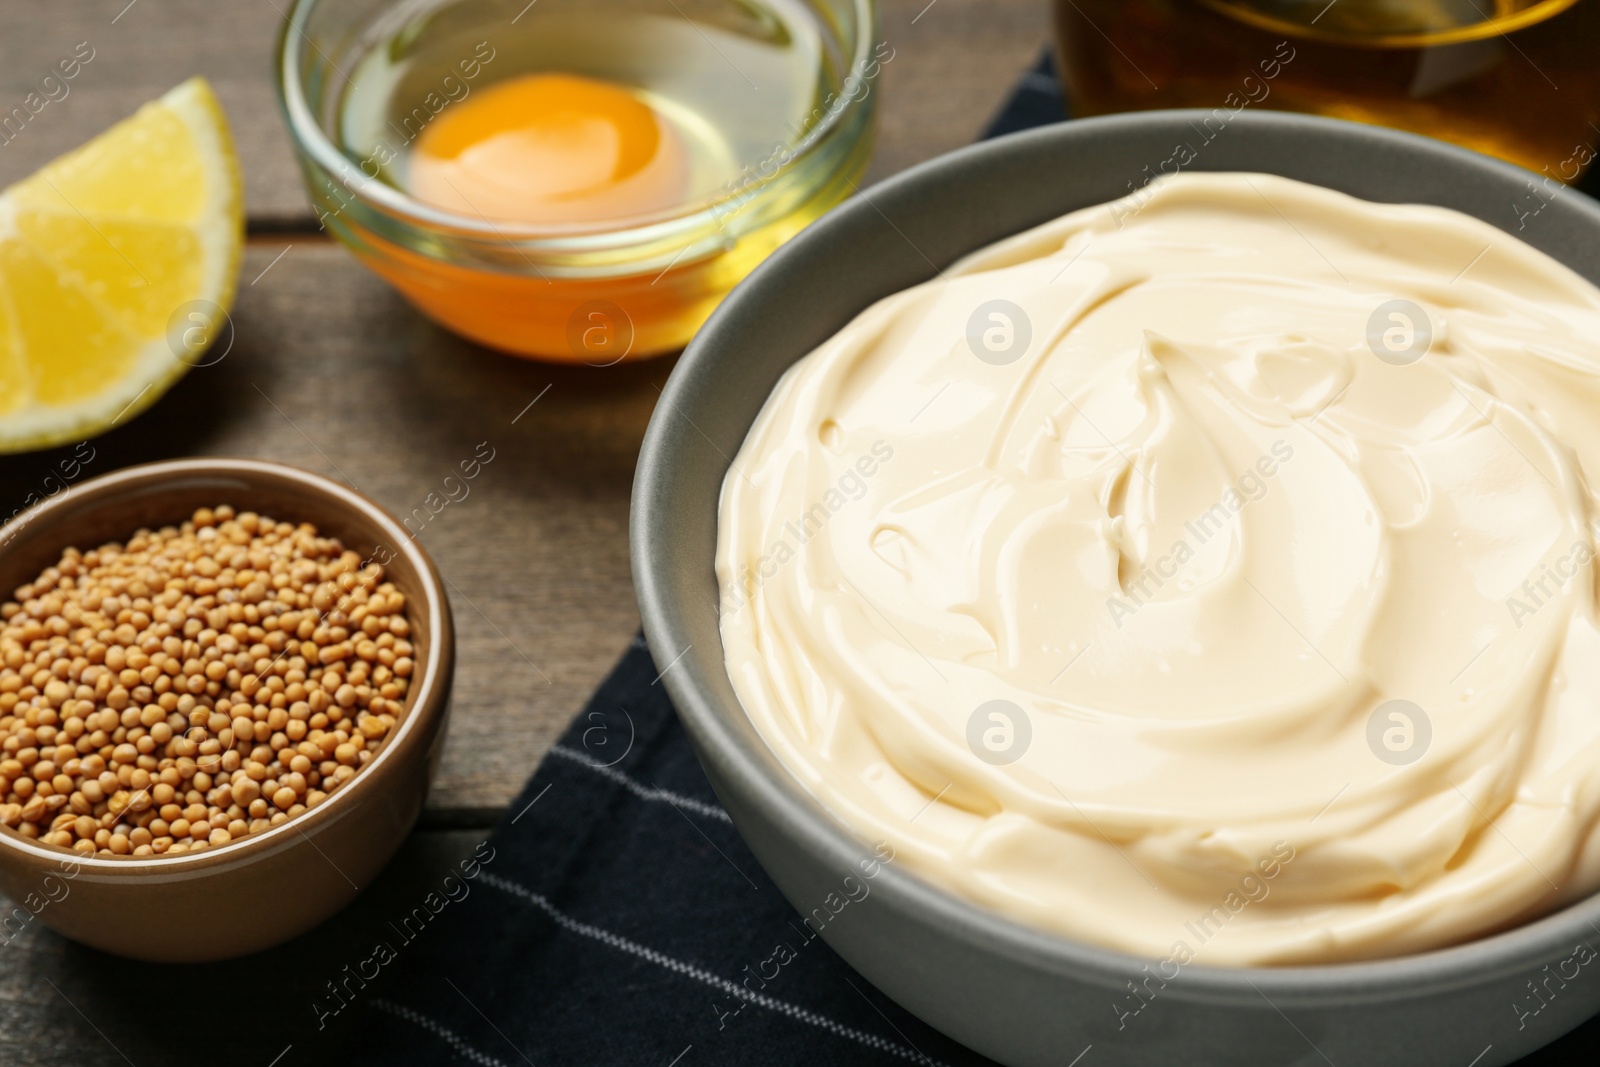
<point x="580" y="292"/>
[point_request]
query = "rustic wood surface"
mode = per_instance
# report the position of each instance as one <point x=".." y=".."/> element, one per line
<point x="333" y="372"/>
<point x="954" y="61"/>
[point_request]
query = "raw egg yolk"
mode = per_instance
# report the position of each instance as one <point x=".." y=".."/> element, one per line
<point x="549" y="148"/>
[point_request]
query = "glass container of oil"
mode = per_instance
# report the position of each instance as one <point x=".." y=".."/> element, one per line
<point x="1518" y="79"/>
<point x="577" y="180"/>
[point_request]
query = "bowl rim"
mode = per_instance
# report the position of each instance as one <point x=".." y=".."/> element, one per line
<point x="313" y="143"/>
<point x="1530" y="15"/>
<point x="783" y="800"/>
<point x="426" y="700"/>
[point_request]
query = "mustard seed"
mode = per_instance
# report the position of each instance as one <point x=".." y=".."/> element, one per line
<point x="200" y="683"/>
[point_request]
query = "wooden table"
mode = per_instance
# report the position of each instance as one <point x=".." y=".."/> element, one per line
<point x="331" y="371"/>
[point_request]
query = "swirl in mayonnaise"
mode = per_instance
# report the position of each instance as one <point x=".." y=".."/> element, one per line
<point x="1148" y="577"/>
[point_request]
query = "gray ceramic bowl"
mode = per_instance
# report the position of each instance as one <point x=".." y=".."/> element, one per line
<point x="1017" y="994"/>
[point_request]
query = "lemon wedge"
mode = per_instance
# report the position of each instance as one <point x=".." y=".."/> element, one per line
<point x="118" y="263"/>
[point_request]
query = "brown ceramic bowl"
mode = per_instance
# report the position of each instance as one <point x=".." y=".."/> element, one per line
<point x="270" y="886"/>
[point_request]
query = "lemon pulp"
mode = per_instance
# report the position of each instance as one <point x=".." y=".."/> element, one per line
<point x="99" y="251"/>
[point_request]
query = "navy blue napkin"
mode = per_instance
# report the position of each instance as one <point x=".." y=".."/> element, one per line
<point x="616" y="918"/>
<point x="1036" y="100"/>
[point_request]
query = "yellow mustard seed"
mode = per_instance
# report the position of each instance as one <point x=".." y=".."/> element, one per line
<point x="195" y="685"/>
